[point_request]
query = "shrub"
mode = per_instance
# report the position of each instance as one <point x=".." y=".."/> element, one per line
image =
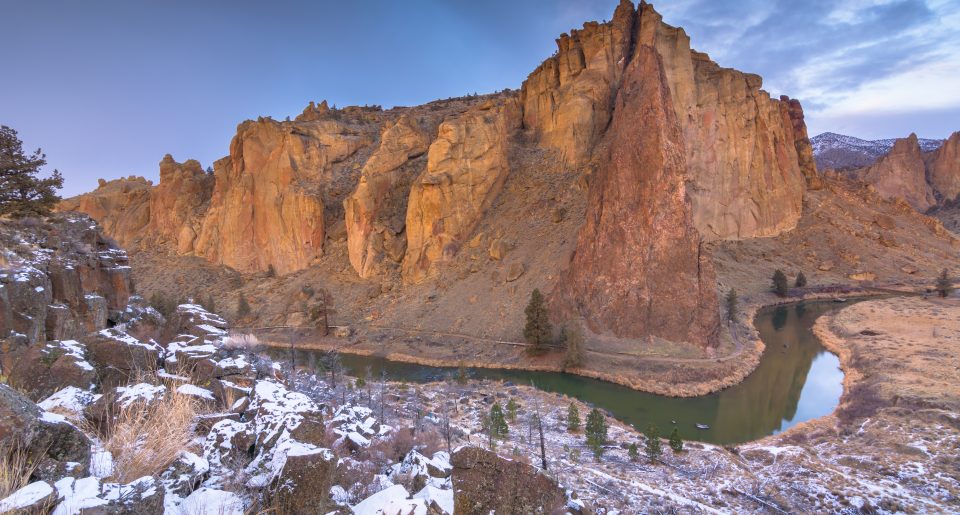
<point x="653" y="449"/>
<point x="732" y="302"/>
<point x="512" y="408"/>
<point x="944" y="284"/>
<point x="573" y="341"/>
<point x="676" y="443"/>
<point x="498" y="423"/>
<point x="780" y="286"/>
<point x="15" y="470"/>
<point x="243" y="307"/>
<point x="633" y="452"/>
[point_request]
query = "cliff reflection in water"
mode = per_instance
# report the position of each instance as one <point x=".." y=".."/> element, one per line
<point x="797" y="380"/>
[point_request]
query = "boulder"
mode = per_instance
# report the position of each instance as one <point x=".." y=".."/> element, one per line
<point x="639" y="268"/>
<point x="119" y="357"/>
<point x="43" y="369"/>
<point x="486" y="483"/>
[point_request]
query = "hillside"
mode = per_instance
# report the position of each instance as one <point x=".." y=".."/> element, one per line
<point x="842" y="152"/>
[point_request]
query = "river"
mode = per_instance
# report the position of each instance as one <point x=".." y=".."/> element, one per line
<point x="797" y="380"/>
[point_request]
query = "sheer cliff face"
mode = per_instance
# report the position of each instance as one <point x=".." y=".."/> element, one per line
<point x="178" y="203"/>
<point x="638" y="269"/>
<point x="376" y="210"/>
<point x="466" y="167"/>
<point x="743" y="165"/>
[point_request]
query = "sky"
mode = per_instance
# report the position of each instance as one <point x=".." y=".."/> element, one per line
<point x="107" y="87"/>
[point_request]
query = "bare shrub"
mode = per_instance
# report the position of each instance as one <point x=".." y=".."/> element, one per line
<point x="146" y="437"/>
<point x="241" y="341"/>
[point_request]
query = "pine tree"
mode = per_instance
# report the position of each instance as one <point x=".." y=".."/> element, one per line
<point x="512" y="408"/>
<point x="801" y="280"/>
<point x="676" y="443"/>
<point x="633" y="452"/>
<point x="498" y="424"/>
<point x="22" y="193"/>
<point x="243" y="307"/>
<point x="944" y="284"/>
<point x="537" y="331"/>
<point x="461" y="373"/>
<point x="573" y="341"/>
<point x="733" y="308"/>
<point x="780" y="286"/>
<point x="573" y="418"/>
<point x="653" y="443"/>
<point x="596" y="432"/>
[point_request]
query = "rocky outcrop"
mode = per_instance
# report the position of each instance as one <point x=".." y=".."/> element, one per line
<point x="466" y="167"/>
<point x="178" y="203"/>
<point x="943" y="169"/>
<point x="120" y="206"/>
<point x="639" y="268"/>
<point x="745" y="175"/>
<point x="375" y="212"/>
<point x="486" y="483"/>
<point x="901" y="174"/>
<point x="567" y="101"/>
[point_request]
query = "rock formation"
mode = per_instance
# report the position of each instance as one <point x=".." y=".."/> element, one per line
<point x="901" y="174"/>
<point x="567" y="100"/>
<point x="375" y="212"/>
<point x="120" y="206"/>
<point x="178" y="202"/>
<point x="639" y="269"/>
<point x="943" y="169"/>
<point x="466" y="167"/>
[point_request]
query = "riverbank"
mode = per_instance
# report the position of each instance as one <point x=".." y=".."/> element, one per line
<point x="649" y="369"/>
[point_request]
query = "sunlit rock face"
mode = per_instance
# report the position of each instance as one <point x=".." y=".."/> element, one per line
<point x="375" y="212"/>
<point x="901" y="174"/>
<point x="943" y="169"/>
<point x="638" y="269"/>
<point x="178" y="203"/>
<point x="120" y="206"/>
<point x="466" y="166"/>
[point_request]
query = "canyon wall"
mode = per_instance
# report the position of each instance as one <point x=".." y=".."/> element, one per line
<point x="943" y="169"/>
<point x="900" y="174"/>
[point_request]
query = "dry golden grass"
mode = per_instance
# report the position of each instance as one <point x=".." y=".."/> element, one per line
<point x="15" y="471"/>
<point x="146" y="437"/>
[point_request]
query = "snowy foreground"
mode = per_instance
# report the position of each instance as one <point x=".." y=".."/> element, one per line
<point x="270" y="438"/>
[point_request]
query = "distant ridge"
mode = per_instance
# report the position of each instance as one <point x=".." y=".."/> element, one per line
<point x="842" y="152"/>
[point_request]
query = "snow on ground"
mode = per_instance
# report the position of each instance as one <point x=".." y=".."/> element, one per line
<point x="26" y="497"/>
<point x="210" y="501"/>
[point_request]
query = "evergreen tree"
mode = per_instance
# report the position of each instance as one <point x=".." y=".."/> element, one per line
<point x="596" y="432"/>
<point x="573" y="418"/>
<point x="633" y="452"/>
<point x="22" y="192"/>
<point x="461" y="373"/>
<point x="801" y="280"/>
<point x="653" y="443"/>
<point x="573" y="341"/>
<point x="498" y="424"/>
<point x="780" y="286"/>
<point x="944" y="284"/>
<point x="243" y="307"/>
<point x="512" y="408"/>
<point x="537" y="331"/>
<point x="733" y="308"/>
<point x="676" y="443"/>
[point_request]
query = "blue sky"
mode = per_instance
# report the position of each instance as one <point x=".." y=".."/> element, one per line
<point x="108" y="87"/>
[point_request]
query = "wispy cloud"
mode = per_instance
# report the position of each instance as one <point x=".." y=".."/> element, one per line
<point x="842" y="58"/>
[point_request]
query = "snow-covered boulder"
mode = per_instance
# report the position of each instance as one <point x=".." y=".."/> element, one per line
<point x="393" y="500"/>
<point x="119" y="357"/>
<point x="34" y="497"/>
<point x="89" y="495"/>
<point x="211" y="501"/>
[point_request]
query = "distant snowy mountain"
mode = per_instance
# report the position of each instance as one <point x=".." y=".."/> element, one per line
<point x="842" y="152"/>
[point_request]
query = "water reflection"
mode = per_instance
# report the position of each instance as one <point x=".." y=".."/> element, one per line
<point x="797" y="380"/>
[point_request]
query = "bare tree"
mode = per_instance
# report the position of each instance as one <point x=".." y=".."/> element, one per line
<point x="332" y="363"/>
<point x="445" y="422"/>
<point x="539" y="422"/>
<point x="383" y="396"/>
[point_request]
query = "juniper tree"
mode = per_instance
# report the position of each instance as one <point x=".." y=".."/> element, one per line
<point x="573" y="418"/>
<point x="596" y="432"/>
<point x="732" y="302"/>
<point x="676" y="443"/>
<point x="944" y="284"/>
<point x="512" y="408"/>
<point x="653" y="449"/>
<point x="461" y="373"/>
<point x="498" y="424"/>
<point x="780" y="286"/>
<point x="801" y="280"/>
<point x="22" y="192"/>
<point x="633" y="452"/>
<point x="537" y="331"/>
<point x="243" y="307"/>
